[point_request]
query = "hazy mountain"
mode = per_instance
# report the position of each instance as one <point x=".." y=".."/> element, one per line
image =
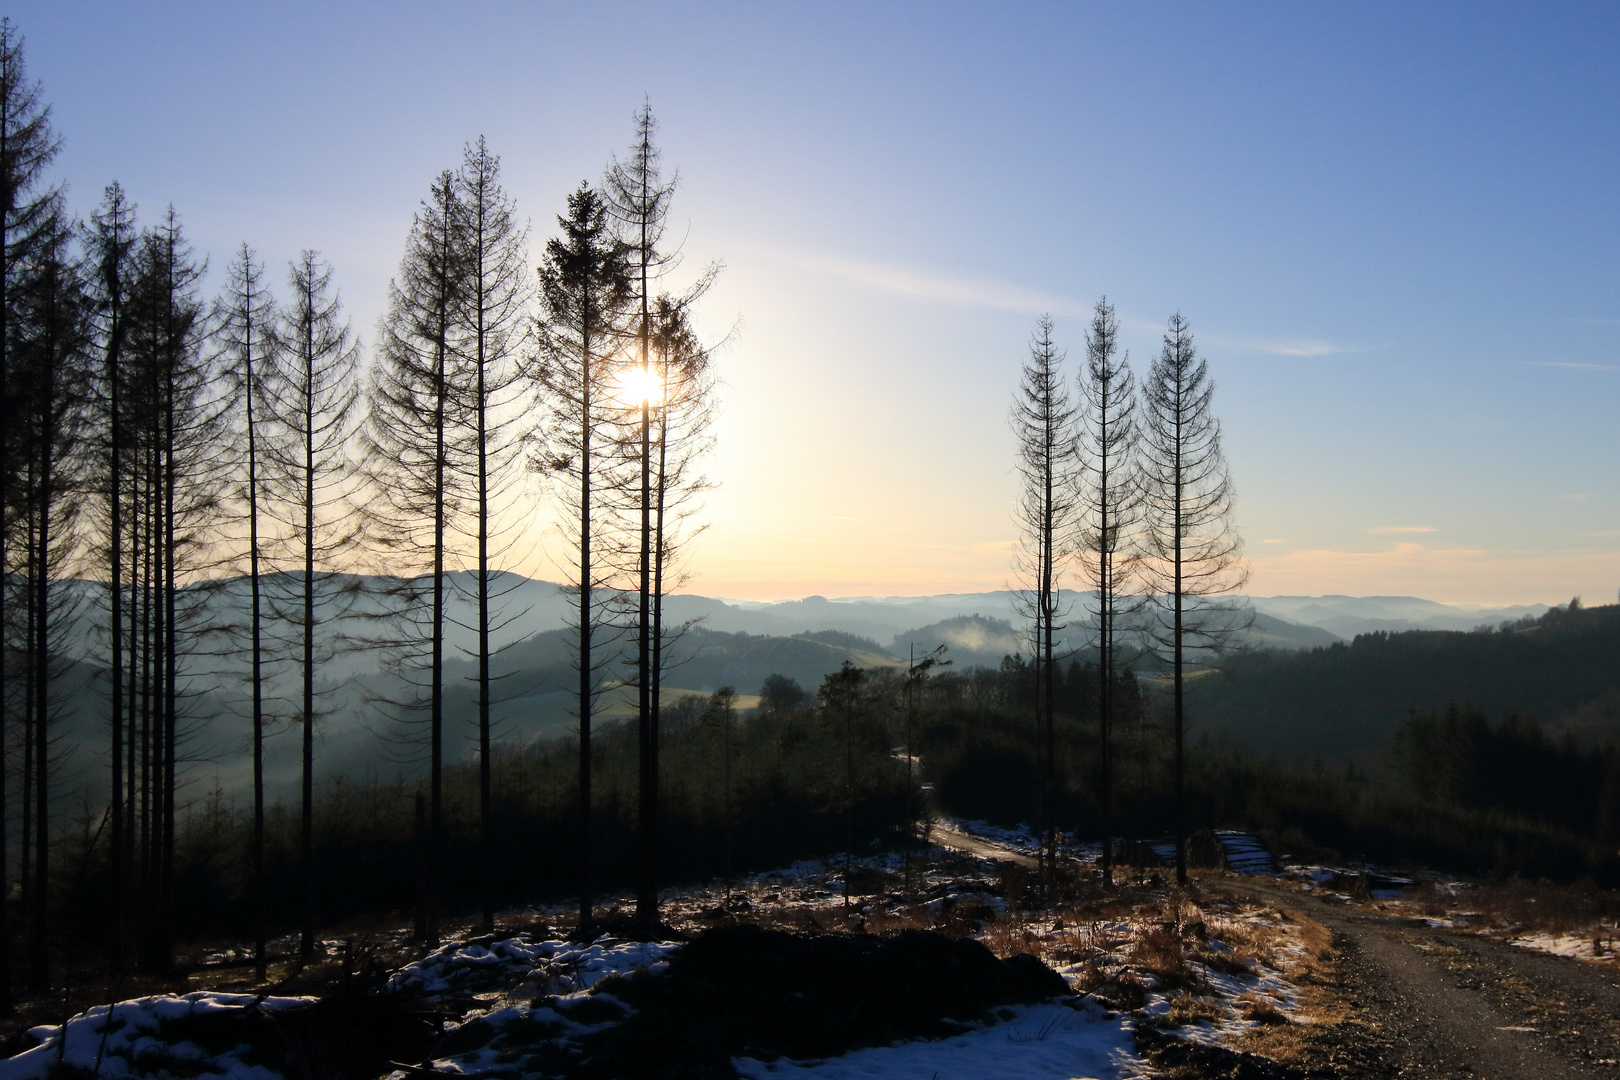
<point x="1347" y="616"/>
<point x="729" y="643"/>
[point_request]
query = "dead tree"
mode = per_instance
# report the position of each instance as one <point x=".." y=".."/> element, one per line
<point x="311" y="397"/>
<point x="245" y="339"/>
<point x="1043" y="422"/>
<point x="1109" y="512"/>
<point x="27" y="147"/>
<point x="637" y="200"/>
<point x="585" y="289"/>
<point x="493" y="326"/>
<point x="1193" y="547"/>
<point x="414" y="436"/>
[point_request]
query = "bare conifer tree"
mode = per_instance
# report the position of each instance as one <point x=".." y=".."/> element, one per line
<point x="27" y="147"/>
<point x="679" y="397"/>
<point x="244" y="333"/>
<point x="52" y="350"/>
<point x="414" y="439"/>
<point x="1109" y="512"/>
<point x="637" y="199"/>
<point x="1043" y="422"/>
<point x="310" y="397"/>
<point x="1193" y="546"/>
<point x="174" y="434"/>
<point x="111" y="242"/>
<point x="585" y="289"/>
<point x="493" y="326"/>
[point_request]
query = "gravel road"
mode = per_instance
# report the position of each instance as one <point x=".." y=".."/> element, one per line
<point x="1441" y="1004"/>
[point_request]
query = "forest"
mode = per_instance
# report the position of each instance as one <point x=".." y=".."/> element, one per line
<point x="217" y="505"/>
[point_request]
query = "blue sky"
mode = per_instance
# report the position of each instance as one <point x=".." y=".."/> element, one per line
<point x="1394" y="229"/>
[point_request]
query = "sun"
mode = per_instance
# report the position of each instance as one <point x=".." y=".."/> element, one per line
<point x="637" y="385"/>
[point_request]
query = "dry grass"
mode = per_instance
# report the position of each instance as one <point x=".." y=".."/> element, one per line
<point x="1186" y="1008"/>
<point x="1261" y="1010"/>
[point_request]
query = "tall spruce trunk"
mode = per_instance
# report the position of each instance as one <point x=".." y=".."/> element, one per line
<point x="260" y="931"/>
<point x="486" y="837"/>
<point x="585" y="914"/>
<point x="436" y="721"/>
<point x="306" y="945"/>
<point x="1180" y="815"/>
<point x="39" y="942"/>
<point x="115" y="594"/>
<point x="171" y="672"/>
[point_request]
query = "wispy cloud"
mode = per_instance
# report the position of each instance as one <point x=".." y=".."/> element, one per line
<point x="1401" y="530"/>
<point x="933" y="286"/>
<point x="963" y="290"/>
<point x="1302" y="347"/>
<point x="1568" y="365"/>
<point x="1573" y="366"/>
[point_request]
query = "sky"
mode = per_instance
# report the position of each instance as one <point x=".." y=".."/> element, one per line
<point x="1394" y="229"/>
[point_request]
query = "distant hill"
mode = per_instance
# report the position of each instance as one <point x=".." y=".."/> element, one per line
<point x="1347" y="616"/>
<point x="730" y="643"/>
<point x="969" y="640"/>
<point x="1342" y="702"/>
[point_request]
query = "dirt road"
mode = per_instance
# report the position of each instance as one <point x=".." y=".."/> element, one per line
<point x="1440" y="1004"/>
<point x="947" y="837"/>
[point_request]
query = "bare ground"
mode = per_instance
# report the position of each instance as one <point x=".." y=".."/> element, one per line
<point x="1430" y="1003"/>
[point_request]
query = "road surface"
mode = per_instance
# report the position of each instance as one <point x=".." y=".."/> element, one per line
<point x="1434" y="1004"/>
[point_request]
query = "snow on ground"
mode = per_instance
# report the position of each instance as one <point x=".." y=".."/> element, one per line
<point x="136" y="1040"/>
<point x="1597" y="944"/>
<point x="1031" y="1042"/>
<point x="548" y="967"/>
<point x="1200" y="965"/>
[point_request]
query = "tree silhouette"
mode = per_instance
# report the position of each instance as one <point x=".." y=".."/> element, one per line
<point x="1043" y="422"/>
<point x="27" y="147"/>
<point x="1109" y="512"/>
<point x="244" y="335"/>
<point x="493" y="322"/>
<point x="1193" y="546"/>
<point x="111" y="241"/>
<point x="585" y="287"/>
<point x="178" y="473"/>
<point x="840" y="694"/>
<point x="52" y="353"/>
<point x="413" y="435"/>
<point x="312" y="394"/>
<point x="637" y="199"/>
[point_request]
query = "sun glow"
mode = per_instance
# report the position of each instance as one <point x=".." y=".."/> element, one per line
<point x="637" y="385"/>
